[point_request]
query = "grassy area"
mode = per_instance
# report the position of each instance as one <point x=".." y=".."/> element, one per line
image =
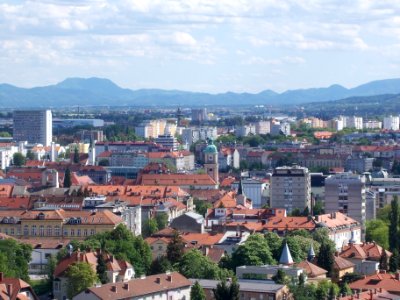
<point x="40" y="286"/>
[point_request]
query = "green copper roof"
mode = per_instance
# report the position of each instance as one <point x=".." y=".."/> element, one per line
<point x="211" y="148"/>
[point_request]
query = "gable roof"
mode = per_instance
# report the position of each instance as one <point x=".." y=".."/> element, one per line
<point x="389" y="282"/>
<point x="311" y="269"/>
<point x="140" y="287"/>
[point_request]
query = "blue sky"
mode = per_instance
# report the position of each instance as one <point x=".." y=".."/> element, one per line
<point x="201" y="45"/>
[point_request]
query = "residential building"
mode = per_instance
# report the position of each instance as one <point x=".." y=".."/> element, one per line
<point x="382" y="280"/>
<point x="88" y="136"/>
<point x="341" y="228"/>
<point x="354" y="122"/>
<point x="178" y="160"/>
<point x="345" y="192"/>
<point x="254" y="190"/>
<point x="168" y="141"/>
<point x="15" y="289"/>
<point x="228" y="158"/>
<point x="391" y="123"/>
<point x="372" y="124"/>
<point x="366" y="256"/>
<point x="372" y="294"/>
<point x="56" y="223"/>
<point x="263" y="127"/>
<point x="194" y="134"/>
<point x="290" y="188"/>
<point x="199" y="115"/>
<point x="245" y="130"/>
<point x="188" y="181"/>
<point x="34" y="126"/>
<point x="278" y="128"/>
<point x="189" y="222"/>
<point x="157" y="287"/>
<point x="248" y="289"/>
<point x="359" y="164"/>
<point x="116" y="270"/>
<point x="341" y="267"/>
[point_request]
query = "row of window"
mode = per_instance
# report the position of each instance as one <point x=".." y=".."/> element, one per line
<point x="47" y="231"/>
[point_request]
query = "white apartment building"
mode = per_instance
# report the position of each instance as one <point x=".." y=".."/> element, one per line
<point x="155" y="128"/>
<point x="253" y="189"/>
<point x="34" y="126"/>
<point x="245" y="130"/>
<point x="290" y="188"/>
<point x="194" y="134"/>
<point x="263" y="127"/>
<point x="345" y="192"/>
<point x="391" y="123"/>
<point x="280" y="128"/>
<point x="372" y="124"/>
<point x="354" y="122"/>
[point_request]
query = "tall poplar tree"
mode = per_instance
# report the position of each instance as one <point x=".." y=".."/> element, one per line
<point x="393" y="225"/>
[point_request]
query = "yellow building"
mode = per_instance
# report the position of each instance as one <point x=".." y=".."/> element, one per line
<point x="56" y="223"/>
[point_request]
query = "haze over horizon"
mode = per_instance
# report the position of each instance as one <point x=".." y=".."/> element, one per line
<point x="200" y="45"/>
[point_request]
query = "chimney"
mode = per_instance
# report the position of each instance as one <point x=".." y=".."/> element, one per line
<point x="158" y="280"/>
<point x="126" y="286"/>
<point x="9" y="289"/>
<point x="397" y="275"/>
<point x="114" y="288"/>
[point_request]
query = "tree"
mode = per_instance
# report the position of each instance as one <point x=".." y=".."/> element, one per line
<point x="194" y="264"/>
<point x="160" y="265"/>
<point x="76" y="155"/>
<point x="175" y="248"/>
<point x="318" y="208"/>
<point x="162" y="220"/>
<point x="67" y="178"/>
<point x="394" y="261"/>
<point x="50" y="268"/>
<point x="345" y="289"/>
<point x="280" y="277"/>
<point x="80" y="276"/>
<point x="201" y="206"/>
<point x="326" y="257"/>
<point x="377" y="231"/>
<point x="393" y="225"/>
<point x="383" y="261"/>
<point x="101" y="269"/>
<point x="227" y="291"/>
<point x="121" y="243"/>
<point x="255" y="251"/>
<point x="14" y="259"/>
<point x="302" y="279"/>
<point x="30" y="155"/>
<point x="19" y="159"/>
<point x="275" y="244"/>
<point x="197" y="292"/>
<point x="149" y="227"/>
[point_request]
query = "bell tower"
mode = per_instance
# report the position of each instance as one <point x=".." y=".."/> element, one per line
<point x="211" y="160"/>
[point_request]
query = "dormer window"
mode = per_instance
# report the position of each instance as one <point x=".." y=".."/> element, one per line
<point x="41" y="216"/>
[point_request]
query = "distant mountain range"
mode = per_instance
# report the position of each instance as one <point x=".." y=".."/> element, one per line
<point x="103" y="92"/>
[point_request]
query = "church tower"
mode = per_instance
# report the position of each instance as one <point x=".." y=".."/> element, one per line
<point x="211" y="160"/>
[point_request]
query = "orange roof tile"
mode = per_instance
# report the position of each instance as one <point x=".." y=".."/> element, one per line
<point x="386" y="281"/>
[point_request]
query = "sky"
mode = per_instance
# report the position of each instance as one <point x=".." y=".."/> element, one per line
<point x="201" y="45"/>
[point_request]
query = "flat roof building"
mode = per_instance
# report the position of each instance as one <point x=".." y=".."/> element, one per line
<point x="34" y="126"/>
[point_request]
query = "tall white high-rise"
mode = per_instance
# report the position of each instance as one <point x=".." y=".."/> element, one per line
<point x="34" y="126"/>
<point x="391" y="123"/>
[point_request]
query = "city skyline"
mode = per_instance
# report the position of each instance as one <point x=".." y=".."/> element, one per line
<point x="200" y="45"/>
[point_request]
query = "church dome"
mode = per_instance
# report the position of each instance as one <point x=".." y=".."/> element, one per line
<point x="211" y="148"/>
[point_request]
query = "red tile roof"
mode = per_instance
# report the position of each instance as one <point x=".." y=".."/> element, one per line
<point x="311" y="269"/>
<point x="373" y="294"/>
<point x="370" y="251"/>
<point x="289" y="223"/>
<point x="154" y="284"/>
<point x="386" y="281"/>
<point x="178" y="179"/>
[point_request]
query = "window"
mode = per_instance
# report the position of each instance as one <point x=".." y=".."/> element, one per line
<point x="57" y="230"/>
<point x="12" y="231"/>
<point x="26" y="230"/>
<point x="72" y="232"/>
<point x="78" y="232"/>
<point x="92" y="232"/>
<point x="33" y="230"/>
<point x="65" y="232"/>
<point x="57" y="285"/>
<point x="41" y="230"/>
<point x="49" y="231"/>
<point x="85" y="233"/>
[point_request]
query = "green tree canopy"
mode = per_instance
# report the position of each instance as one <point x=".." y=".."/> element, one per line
<point x="121" y="243"/>
<point x="378" y="231"/>
<point x="19" y="159"/>
<point x="201" y="206"/>
<point x="194" y="264"/>
<point x="80" y="276"/>
<point x="175" y="248"/>
<point x="326" y="258"/>
<point x="160" y="265"/>
<point x="197" y="292"/>
<point x="67" y="178"/>
<point x="255" y="251"/>
<point x="227" y="290"/>
<point x="162" y="220"/>
<point x="394" y="225"/>
<point x="14" y="259"/>
<point x="149" y="227"/>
